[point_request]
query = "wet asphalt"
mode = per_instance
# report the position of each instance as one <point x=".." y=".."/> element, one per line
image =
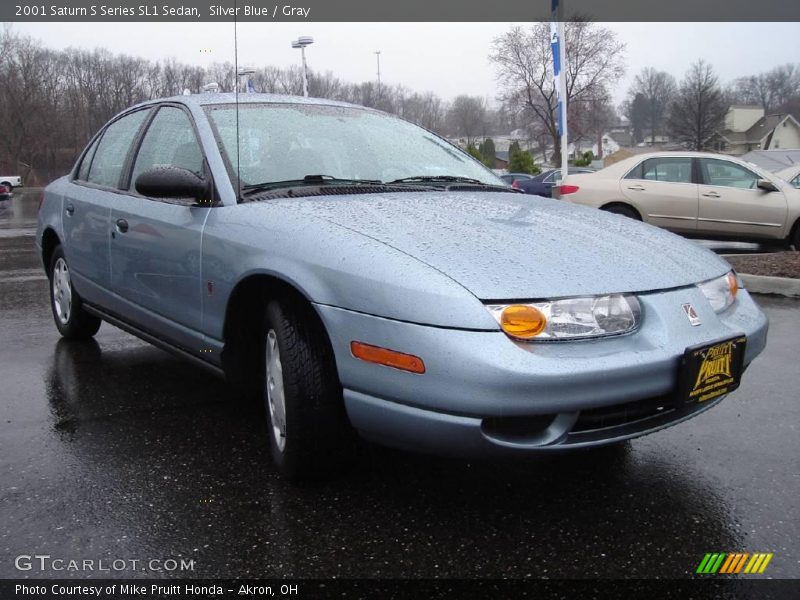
<point x="113" y="449"/>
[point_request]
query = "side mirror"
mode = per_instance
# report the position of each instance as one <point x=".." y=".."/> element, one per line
<point x="766" y="185"/>
<point x="172" y="182"/>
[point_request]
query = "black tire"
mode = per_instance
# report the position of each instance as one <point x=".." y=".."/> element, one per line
<point x="794" y="239"/>
<point x="625" y="211"/>
<point x="8" y="185"/>
<point x="74" y="322"/>
<point x="317" y="437"/>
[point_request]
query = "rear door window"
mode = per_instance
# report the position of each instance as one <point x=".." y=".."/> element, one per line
<point x="667" y="169"/>
<point x="112" y="152"/>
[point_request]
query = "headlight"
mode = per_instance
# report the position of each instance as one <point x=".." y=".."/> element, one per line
<point x="569" y="319"/>
<point x="721" y="292"/>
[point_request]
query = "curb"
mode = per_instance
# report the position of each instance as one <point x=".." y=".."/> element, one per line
<point x="761" y="284"/>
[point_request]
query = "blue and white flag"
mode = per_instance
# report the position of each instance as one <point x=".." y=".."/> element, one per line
<point x="555" y="46"/>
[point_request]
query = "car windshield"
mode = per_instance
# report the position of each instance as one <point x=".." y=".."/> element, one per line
<point x="284" y="142"/>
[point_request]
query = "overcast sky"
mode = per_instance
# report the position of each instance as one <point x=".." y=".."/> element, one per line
<point x="446" y="58"/>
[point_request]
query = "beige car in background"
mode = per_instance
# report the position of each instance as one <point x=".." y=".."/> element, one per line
<point x="696" y="194"/>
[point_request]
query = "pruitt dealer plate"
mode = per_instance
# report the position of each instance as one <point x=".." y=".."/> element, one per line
<point x="711" y="370"/>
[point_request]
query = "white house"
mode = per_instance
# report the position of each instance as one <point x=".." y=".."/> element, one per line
<point x="748" y="128"/>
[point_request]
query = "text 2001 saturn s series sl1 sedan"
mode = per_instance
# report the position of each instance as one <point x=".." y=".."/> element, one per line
<point x="360" y="274"/>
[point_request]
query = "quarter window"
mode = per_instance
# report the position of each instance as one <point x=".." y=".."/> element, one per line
<point x="667" y="169"/>
<point x="727" y="174"/>
<point x="796" y="182"/>
<point x="169" y="142"/>
<point x="112" y="151"/>
<point x="83" y="172"/>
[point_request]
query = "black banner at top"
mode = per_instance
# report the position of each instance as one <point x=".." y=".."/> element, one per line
<point x="398" y="10"/>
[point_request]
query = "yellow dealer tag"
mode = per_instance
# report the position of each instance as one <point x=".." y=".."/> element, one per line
<point x="712" y="370"/>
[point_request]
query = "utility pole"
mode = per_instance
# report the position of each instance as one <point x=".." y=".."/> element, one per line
<point x="378" y="57"/>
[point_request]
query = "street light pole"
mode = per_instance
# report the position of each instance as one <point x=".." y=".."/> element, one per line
<point x="301" y="43"/>
<point x="378" y="57"/>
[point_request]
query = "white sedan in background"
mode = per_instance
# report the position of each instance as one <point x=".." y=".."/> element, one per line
<point x="696" y="194"/>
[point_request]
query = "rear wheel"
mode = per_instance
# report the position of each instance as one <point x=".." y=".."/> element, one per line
<point x="72" y="321"/>
<point x="310" y="434"/>
<point x="624" y="210"/>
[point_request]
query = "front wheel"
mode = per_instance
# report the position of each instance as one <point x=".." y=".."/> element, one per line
<point x="309" y="432"/>
<point x="794" y="240"/>
<point x="72" y="320"/>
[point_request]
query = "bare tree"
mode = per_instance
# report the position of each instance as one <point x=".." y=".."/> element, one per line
<point x="467" y="117"/>
<point x="594" y="61"/>
<point x="773" y="90"/>
<point x="657" y="89"/>
<point x="52" y="102"/>
<point x="699" y="108"/>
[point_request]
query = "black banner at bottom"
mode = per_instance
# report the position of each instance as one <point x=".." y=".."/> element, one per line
<point x="202" y="589"/>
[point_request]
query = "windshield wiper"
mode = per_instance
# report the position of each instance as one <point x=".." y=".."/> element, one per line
<point x="438" y="178"/>
<point x="306" y="181"/>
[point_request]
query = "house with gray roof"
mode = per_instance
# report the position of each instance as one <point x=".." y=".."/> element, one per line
<point x="747" y="128"/>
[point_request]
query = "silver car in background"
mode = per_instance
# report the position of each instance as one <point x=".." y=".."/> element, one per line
<point x="791" y="174"/>
<point x="360" y="275"/>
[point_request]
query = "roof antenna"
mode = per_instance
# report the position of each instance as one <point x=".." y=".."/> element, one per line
<point x="236" y="96"/>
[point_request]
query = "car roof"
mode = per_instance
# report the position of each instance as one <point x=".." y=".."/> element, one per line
<point x="788" y="171"/>
<point x="216" y="98"/>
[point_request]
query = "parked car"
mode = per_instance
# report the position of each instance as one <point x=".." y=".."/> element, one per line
<point x="696" y="194"/>
<point x="11" y="181"/>
<point x="542" y="184"/>
<point x="403" y="294"/>
<point x="5" y="192"/>
<point x="514" y="179"/>
<point x="791" y="174"/>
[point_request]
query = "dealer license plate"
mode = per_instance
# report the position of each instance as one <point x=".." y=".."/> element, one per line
<point x="711" y="370"/>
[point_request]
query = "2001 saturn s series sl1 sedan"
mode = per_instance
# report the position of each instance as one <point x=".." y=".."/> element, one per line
<point x="361" y="274"/>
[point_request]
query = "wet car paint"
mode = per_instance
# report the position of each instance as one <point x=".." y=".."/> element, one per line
<point x="114" y="449"/>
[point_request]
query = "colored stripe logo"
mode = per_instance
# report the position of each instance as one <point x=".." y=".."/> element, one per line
<point x="734" y="563"/>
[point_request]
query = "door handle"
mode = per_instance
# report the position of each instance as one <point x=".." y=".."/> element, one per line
<point x="70" y="209"/>
<point x="638" y="188"/>
<point x="122" y="225"/>
<point x="710" y="195"/>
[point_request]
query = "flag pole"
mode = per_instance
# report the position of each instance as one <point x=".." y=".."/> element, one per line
<point x="562" y="93"/>
<point x="561" y="83"/>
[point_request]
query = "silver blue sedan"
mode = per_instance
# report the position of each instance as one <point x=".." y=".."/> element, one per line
<point x="361" y="276"/>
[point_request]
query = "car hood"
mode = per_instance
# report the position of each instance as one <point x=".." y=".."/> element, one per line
<point x="509" y="246"/>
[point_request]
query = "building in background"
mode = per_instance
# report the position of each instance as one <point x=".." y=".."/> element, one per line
<point x="747" y="128"/>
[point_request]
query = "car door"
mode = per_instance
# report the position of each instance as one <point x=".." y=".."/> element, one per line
<point x="87" y="206"/>
<point x="155" y="250"/>
<point x="732" y="205"/>
<point x="663" y="190"/>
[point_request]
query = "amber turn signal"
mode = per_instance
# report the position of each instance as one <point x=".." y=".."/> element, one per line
<point x="388" y="358"/>
<point x="733" y="284"/>
<point x="523" y="321"/>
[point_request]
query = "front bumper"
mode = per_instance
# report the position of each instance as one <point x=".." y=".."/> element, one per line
<point x="484" y="394"/>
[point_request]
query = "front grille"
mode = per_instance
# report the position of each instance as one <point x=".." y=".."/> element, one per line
<point x="615" y="415"/>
